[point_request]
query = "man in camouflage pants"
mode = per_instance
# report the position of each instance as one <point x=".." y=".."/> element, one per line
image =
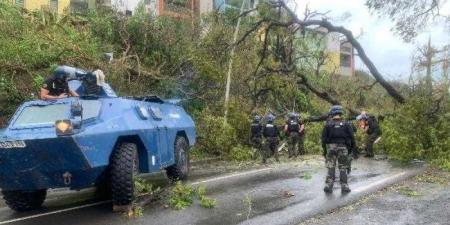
<point x="337" y="140"/>
<point x="271" y="135"/>
<point x="256" y="136"/>
<point x="370" y="125"/>
<point x="294" y="131"/>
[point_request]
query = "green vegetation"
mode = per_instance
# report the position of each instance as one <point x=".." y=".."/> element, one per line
<point x="306" y="176"/>
<point x="409" y="192"/>
<point x="189" y="59"/>
<point x="182" y="196"/>
<point x="143" y="187"/>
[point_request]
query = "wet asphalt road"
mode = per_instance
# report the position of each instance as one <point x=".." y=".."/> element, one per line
<point x="284" y="193"/>
<point x="419" y="200"/>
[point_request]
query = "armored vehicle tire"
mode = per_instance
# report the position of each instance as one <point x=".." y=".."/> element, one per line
<point x="180" y="170"/>
<point x="24" y="200"/>
<point x="123" y="169"/>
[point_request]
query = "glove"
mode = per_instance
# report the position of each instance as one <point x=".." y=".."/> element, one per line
<point x="324" y="151"/>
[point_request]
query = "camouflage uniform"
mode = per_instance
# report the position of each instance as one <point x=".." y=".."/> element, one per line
<point x="271" y="135"/>
<point x="271" y="148"/>
<point x="373" y="132"/>
<point x="337" y="141"/>
<point x="256" y="137"/>
<point x="295" y="135"/>
<point x="337" y="153"/>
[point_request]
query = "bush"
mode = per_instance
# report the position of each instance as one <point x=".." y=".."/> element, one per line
<point x="215" y="137"/>
<point x="416" y="133"/>
<point x="240" y="153"/>
<point x="313" y="134"/>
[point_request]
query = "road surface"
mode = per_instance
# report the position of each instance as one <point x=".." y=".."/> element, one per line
<point x="286" y="193"/>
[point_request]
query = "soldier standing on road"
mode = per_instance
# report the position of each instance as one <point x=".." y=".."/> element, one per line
<point x="337" y="141"/>
<point x="256" y="136"/>
<point x="271" y="135"/>
<point x="370" y="126"/>
<point x="294" y="130"/>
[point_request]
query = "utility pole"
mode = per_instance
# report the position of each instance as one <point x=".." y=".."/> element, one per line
<point x="230" y="64"/>
<point x="429" y="65"/>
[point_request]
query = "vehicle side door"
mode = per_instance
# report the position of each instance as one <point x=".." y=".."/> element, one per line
<point x="157" y="113"/>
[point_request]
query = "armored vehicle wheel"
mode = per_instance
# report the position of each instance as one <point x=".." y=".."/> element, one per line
<point x="24" y="200"/>
<point x="123" y="169"/>
<point x="180" y="170"/>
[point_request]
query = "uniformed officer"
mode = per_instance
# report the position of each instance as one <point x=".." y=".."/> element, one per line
<point x="369" y="124"/>
<point x="337" y="140"/>
<point x="57" y="86"/>
<point x="256" y="135"/>
<point x="271" y="135"/>
<point x="294" y="130"/>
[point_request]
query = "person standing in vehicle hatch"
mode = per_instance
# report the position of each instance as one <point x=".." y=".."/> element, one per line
<point x="271" y="135"/>
<point x="57" y="86"/>
<point x="337" y="142"/>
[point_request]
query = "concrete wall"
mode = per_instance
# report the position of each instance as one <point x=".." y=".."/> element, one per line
<point x="206" y="6"/>
<point x="123" y="5"/>
<point x="32" y="5"/>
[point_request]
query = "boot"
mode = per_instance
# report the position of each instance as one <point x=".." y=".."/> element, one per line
<point x="328" y="188"/>
<point x="345" y="189"/>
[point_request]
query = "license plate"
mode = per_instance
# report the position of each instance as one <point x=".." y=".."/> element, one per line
<point x="12" y="144"/>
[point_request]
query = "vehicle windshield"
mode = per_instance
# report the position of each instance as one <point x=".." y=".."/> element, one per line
<point x="91" y="108"/>
<point x="42" y="115"/>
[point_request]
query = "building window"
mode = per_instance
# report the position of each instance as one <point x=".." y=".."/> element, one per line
<point x="54" y="6"/>
<point x="346" y="49"/>
<point x="79" y="6"/>
<point x="20" y="3"/>
<point x="178" y="6"/>
<point x="346" y="60"/>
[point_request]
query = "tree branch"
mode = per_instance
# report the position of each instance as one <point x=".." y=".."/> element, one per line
<point x="348" y="34"/>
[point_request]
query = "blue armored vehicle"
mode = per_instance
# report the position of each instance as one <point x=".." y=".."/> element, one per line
<point x="87" y="141"/>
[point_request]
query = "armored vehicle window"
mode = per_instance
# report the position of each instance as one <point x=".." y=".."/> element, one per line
<point x="155" y="112"/>
<point x="40" y="115"/>
<point x="91" y="108"/>
<point x="143" y="113"/>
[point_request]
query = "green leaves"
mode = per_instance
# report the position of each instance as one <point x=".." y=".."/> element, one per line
<point x="183" y="196"/>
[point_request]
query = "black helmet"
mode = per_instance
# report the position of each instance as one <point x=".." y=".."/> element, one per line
<point x="336" y="110"/>
<point x="60" y="74"/>
<point x="292" y="115"/>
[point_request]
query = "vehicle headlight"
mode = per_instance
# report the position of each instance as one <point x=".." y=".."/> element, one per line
<point x="63" y="127"/>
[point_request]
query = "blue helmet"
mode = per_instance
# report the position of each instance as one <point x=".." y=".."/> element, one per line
<point x="336" y="110"/>
<point x="270" y="118"/>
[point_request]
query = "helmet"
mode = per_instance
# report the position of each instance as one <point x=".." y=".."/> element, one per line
<point x="256" y="118"/>
<point x="63" y="73"/>
<point x="270" y="118"/>
<point x="292" y="115"/>
<point x="336" y="110"/>
<point x="60" y="74"/>
<point x="361" y="117"/>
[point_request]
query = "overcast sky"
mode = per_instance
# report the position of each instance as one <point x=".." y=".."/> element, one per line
<point x="389" y="53"/>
